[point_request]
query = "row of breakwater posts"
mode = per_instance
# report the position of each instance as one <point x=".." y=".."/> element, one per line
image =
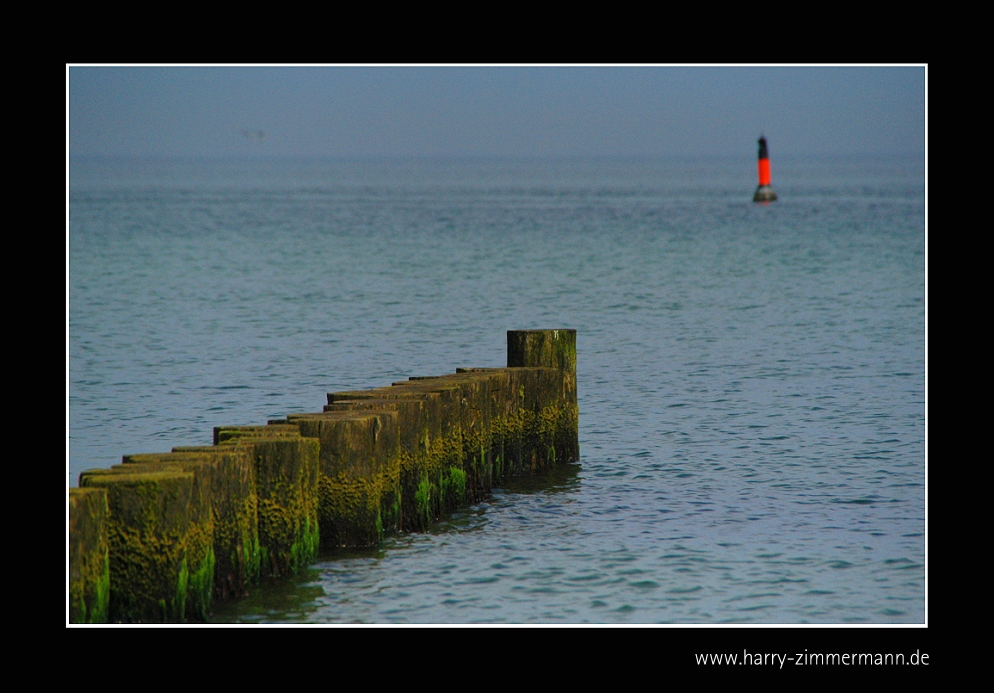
<point x="162" y="536"/>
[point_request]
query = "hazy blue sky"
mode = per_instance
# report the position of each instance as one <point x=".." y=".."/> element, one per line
<point x="502" y="111"/>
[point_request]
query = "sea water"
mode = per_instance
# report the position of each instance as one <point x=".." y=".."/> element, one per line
<point x="751" y="377"/>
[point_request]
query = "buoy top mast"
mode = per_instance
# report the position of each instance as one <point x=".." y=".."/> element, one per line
<point x="764" y="193"/>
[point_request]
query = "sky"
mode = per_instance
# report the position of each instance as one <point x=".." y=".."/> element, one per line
<point x="348" y="111"/>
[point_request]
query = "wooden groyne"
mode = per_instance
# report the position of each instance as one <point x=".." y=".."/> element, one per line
<point x="161" y="537"/>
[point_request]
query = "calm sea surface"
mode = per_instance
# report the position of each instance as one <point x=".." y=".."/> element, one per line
<point x="751" y="378"/>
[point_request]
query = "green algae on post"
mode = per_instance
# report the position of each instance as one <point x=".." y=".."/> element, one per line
<point x="89" y="557"/>
<point x="285" y="479"/>
<point x="286" y="473"/>
<point x="150" y="518"/>
<point x="359" y="474"/>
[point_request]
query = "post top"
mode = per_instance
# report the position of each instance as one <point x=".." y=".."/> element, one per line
<point x="561" y="329"/>
<point x="543" y="348"/>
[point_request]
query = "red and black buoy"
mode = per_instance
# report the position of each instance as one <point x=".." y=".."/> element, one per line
<point x="764" y="193"/>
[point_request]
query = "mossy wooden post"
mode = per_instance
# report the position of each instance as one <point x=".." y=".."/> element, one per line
<point x="551" y="417"/>
<point x="286" y="476"/>
<point x="89" y="558"/>
<point x="542" y="348"/>
<point x="199" y="540"/>
<point x="435" y="476"/>
<point x="359" y="479"/>
<point x="149" y="525"/>
<point x="234" y="515"/>
<point x="444" y="440"/>
<point x="419" y="443"/>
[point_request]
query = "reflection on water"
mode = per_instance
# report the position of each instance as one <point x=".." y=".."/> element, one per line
<point x="337" y="580"/>
<point x="291" y="600"/>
